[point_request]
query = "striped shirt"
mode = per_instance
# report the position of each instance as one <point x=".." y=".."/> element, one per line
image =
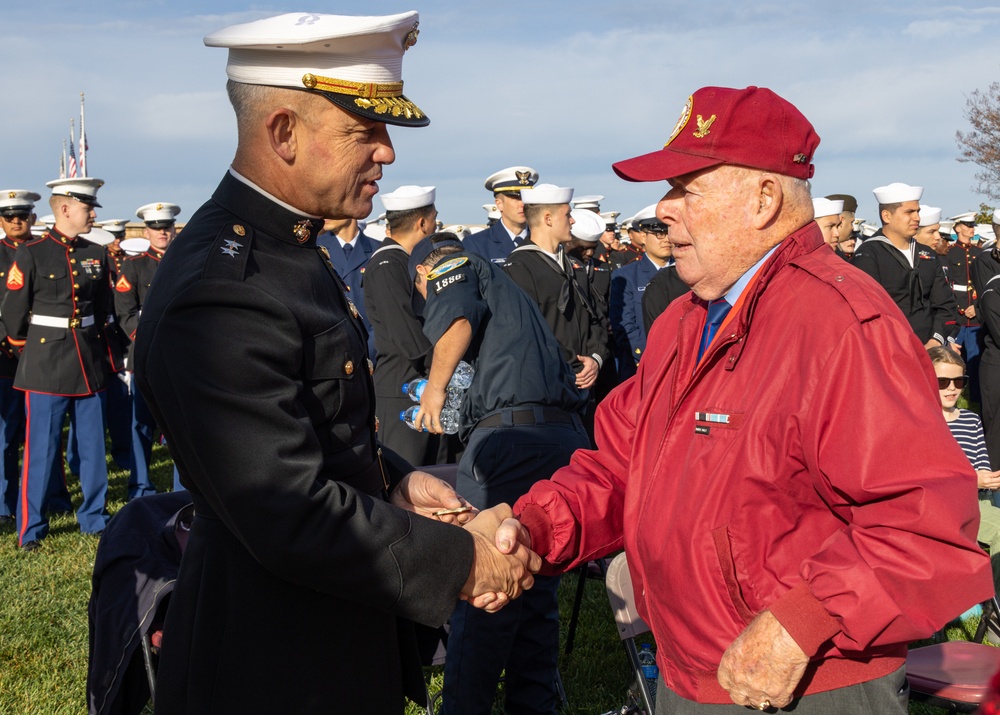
<point x="968" y="431"/>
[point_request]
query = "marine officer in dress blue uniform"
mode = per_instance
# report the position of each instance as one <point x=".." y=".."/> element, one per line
<point x="17" y="215"/>
<point x="130" y="294"/>
<point x="520" y="421"/>
<point x="628" y="284"/>
<point x="495" y="243"/>
<point x="57" y="304"/>
<point x="350" y="250"/>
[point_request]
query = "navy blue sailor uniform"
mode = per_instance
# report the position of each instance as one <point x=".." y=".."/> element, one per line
<point x="253" y="361"/>
<point x="520" y="421"/>
<point x="402" y="350"/>
<point x="131" y="287"/>
<point x="351" y="266"/>
<point x="920" y="289"/>
<point x="57" y="304"/>
<point x="494" y="243"/>
<point x="628" y="284"/>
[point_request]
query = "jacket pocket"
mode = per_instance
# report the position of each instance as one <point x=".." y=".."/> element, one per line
<point x="334" y="354"/>
<point x="724" y="552"/>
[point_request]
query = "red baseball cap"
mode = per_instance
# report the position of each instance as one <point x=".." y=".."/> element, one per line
<point x="750" y="127"/>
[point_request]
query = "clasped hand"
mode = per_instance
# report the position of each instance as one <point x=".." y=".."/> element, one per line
<point x="504" y="564"/>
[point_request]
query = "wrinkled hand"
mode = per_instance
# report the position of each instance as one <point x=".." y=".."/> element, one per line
<point x="424" y="494"/>
<point x="428" y="416"/>
<point x="987" y="479"/>
<point x="763" y="664"/>
<point x="588" y="375"/>
<point x="496" y="578"/>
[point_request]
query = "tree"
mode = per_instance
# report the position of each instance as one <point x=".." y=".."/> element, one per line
<point x="981" y="145"/>
<point x="985" y="214"/>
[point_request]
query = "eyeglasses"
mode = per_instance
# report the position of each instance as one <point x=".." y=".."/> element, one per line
<point x="967" y="224"/>
<point x="945" y="382"/>
<point x="10" y="216"/>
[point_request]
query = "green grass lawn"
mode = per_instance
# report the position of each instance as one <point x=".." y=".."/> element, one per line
<point x="43" y="623"/>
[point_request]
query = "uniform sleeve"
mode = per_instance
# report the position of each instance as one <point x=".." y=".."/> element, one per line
<point x="624" y="321"/>
<point x="909" y="525"/>
<point x="866" y="261"/>
<point x="387" y="296"/>
<point x="983" y="269"/>
<point x="16" y="308"/>
<point x="243" y="433"/>
<point x="451" y="300"/>
<point x="126" y="293"/>
<point x="943" y="307"/>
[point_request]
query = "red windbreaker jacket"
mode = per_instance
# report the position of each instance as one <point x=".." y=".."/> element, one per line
<point x="803" y="467"/>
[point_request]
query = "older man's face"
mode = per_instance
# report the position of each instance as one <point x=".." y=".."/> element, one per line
<point x="342" y="156"/>
<point x="708" y="213"/>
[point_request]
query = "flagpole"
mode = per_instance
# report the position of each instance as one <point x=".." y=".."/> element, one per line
<point x="62" y="162"/>
<point x="83" y="141"/>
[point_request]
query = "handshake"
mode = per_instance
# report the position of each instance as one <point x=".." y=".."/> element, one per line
<point x="503" y="563"/>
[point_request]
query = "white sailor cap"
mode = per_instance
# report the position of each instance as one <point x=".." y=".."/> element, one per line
<point x="929" y="215"/>
<point x="588" y="225"/>
<point x="48" y="220"/>
<point x="17" y="201"/>
<point x="511" y="180"/>
<point x="592" y="202"/>
<point x="897" y="193"/>
<point x="492" y="212"/>
<point x="375" y="231"/>
<point x="408" y="197"/>
<point x="135" y="246"/>
<point x="967" y="217"/>
<point x="547" y="194"/>
<point x="115" y="226"/>
<point x="83" y="189"/>
<point x="867" y="230"/>
<point x="99" y="236"/>
<point x="610" y="217"/>
<point x="946" y="227"/>
<point x="457" y="229"/>
<point x="158" y="215"/>
<point x="827" y="207"/>
<point x="355" y="62"/>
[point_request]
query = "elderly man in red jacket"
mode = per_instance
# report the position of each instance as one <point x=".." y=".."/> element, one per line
<point x="790" y="526"/>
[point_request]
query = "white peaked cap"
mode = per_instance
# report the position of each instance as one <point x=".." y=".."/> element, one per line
<point x="12" y="199"/>
<point x="158" y="213"/>
<point x="547" y="194"/>
<point x="99" y="236"/>
<point x="355" y="62"/>
<point x="408" y="197"/>
<point x="588" y="227"/>
<point x="83" y="189"/>
<point x="457" y="229"/>
<point x="967" y="216"/>
<point x="826" y="207"/>
<point x="513" y="178"/>
<point x="588" y="202"/>
<point x="897" y="193"/>
<point x="929" y="215"/>
<point x="491" y="211"/>
<point x="115" y="225"/>
<point x="134" y="246"/>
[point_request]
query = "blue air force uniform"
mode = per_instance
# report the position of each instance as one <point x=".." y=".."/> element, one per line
<point x="519" y="419"/>
<point x="494" y="243"/>
<point x="57" y="303"/>
<point x="350" y="266"/>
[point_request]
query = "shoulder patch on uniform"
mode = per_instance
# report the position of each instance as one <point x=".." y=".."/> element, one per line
<point x="230" y="252"/>
<point x="15" y="279"/>
<point x="441" y="284"/>
<point x="122" y="285"/>
<point x="449" y="265"/>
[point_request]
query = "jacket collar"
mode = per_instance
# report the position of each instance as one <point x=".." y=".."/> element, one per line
<point x="262" y="212"/>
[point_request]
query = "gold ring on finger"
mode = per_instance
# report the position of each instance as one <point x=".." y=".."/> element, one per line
<point x="764" y="705"/>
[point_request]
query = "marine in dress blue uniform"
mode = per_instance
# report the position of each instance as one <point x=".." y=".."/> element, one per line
<point x="510" y="231"/>
<point x="520" y="421"/>
<point x="131" y="288"/>
<point x="962" y="257"/>
<point x="57" y="304"/>
<point x="350" y="256"/>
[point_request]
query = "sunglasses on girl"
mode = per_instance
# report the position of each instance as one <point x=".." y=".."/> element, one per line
<point x="944" y="382"/>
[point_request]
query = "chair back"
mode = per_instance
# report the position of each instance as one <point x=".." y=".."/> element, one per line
<point x="622" y="597"/>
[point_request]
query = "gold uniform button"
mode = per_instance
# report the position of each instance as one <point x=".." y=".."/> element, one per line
<point x="76" y="311"/>
<point x="76" y="273"/>
<point x="76" y="286"/>
<point x="72" y="260"/>
<point x="349" y="367"/>
<point x="42" y="340"/>
<point x="52" y="275"/>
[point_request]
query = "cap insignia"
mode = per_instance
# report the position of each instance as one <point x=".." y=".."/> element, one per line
<point x="12" y="195"/>
<point x="309" y="19"/>
<point x="800" y="158"/>
<point x="523" y="177"/>
<point x="411" y="37"/>
<point x="703" y="126"/>
<point x="301" y="230"/>
<point x="393" y="105"/>
<point x="159" y="207"/>
<point x="681" y="121"/>
<point x="239" y="230"/>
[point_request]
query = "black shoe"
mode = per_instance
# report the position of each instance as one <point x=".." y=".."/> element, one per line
<point x="31" y="546"/>
<point x="6" y="519"/>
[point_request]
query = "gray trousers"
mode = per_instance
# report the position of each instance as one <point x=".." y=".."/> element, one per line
<point x="887" y="695"/>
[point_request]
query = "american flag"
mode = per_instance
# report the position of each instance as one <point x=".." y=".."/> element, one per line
<point x="72" y="156"/>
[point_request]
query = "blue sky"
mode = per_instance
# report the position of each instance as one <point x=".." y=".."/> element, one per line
<point x="565" y="87"/>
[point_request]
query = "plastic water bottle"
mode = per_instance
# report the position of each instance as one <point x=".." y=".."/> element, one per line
<point x="459" y="382"/>
<point x="647" y="659"/>
<point x="449" y="419"/>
